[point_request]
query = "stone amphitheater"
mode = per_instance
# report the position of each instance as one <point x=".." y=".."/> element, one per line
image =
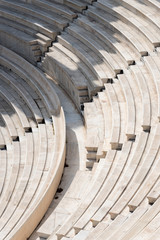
<point x="80" y="119"/>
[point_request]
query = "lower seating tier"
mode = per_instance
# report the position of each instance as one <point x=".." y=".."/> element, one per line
<point x="32" y="145"/>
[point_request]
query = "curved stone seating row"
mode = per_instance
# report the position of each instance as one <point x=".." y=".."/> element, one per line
<point x="143" y="9"/>
<point x="153" y="65"/>
<point x="6" y="115"/>
<point x="102" y="170"/>
<point x="21" y="40"/>
<point x="5" y="136"/>
<point x="67" y="5"/>
<point x="115" y="35"/>
<point x="79" y="32"/>
<point x="77" y="5"/>
<point x="154" y="193"/>
<point x="66" y="72"/>
<point x="56" y="7"/>
<point x="32" y="128"/>
<point x="75" y="193"/>
<point x="153" y="3"/>
<point x="94" y="131"/>
<point x="31" y="10"/>
<point x="7" y="94"/>
<point x="86" y="56"/>
<point x="132" y="19"/>
<point x="147" y="218"/>
<point x="125" y="223"/>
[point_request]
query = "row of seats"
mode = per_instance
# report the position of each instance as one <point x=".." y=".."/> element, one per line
<point x="32" y="140"/>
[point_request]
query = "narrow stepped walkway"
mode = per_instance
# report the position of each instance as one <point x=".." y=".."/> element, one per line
<point x="76" y="180"/>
